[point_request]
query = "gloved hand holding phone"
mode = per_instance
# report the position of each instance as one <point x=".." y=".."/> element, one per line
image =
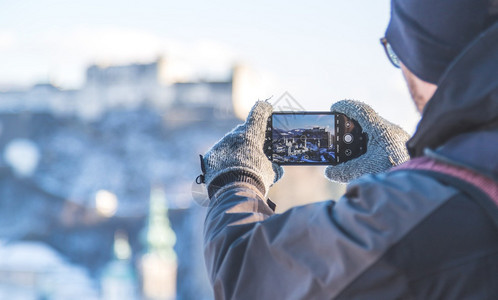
<point x="239" y="155"/>
<point x="385" y="148"/>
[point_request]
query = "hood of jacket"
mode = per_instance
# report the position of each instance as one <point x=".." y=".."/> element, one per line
<point x="466" y="99"/>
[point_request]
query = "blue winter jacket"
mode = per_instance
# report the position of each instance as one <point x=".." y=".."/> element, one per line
<point x="400" y="235"/>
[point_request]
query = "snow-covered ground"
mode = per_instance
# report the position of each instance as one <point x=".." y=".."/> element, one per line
<point x="33" y="270"/>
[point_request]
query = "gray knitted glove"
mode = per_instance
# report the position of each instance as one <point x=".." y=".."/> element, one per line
<point x="385" y="148"/>
<point x="239" y="155"/>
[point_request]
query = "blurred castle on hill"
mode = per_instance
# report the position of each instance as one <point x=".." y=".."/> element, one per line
<point x="130" y="86"/>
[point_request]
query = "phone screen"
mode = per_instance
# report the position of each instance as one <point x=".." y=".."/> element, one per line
<point x="303" y="138"/>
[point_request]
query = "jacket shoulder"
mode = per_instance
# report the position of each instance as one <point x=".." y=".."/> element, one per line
<point x="444" y="253"/>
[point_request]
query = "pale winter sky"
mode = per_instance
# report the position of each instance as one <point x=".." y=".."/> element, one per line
<point x="318" y="51"/>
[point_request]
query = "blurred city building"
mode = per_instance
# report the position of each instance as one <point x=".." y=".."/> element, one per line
<point x="118" y="278"/>
<point x="159" y="263"/>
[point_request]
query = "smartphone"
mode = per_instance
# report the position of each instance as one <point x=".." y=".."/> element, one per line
<point x="313" y="138"/>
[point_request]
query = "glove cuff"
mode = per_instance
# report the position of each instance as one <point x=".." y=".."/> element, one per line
<point x="234" y="176"/>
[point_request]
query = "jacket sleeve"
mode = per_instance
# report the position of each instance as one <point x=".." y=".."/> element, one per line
<point x="312" y="251"/>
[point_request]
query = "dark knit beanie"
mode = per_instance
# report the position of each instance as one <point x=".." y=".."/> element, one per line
<point x="427" y="35"/>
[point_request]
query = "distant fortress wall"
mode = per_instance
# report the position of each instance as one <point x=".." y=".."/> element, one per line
<point x="129" y="86"/>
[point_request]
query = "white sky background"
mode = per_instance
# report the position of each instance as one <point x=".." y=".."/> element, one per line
<point x="318" y="51"/>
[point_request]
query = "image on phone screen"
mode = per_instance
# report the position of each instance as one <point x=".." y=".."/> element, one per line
<point x="313" y="138"/>
<point x="303" y="138"/>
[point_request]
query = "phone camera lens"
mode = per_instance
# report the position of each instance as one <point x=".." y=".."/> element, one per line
<point x="348" y="152"/>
